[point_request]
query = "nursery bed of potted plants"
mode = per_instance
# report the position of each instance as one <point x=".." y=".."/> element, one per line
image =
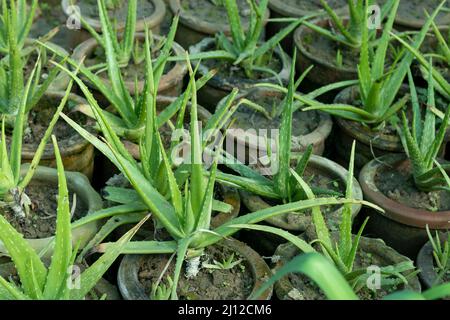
<point x="224" y="150"/>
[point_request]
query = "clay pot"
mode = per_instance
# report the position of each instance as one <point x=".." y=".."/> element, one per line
<point x="325" y="71"/>
<point x="78" y="184"/>
<point x="287" y="9"/>
<point x="298" y="223"/>
<point x="411" y="14"/>
<point x="255" y="142"/>
<point x="285" y="290"/>
<point x="402" y="227"/>
<point x="193" y="27"/>
<point x="425" y="263"/>
<point x="219" y="87"/>
<point x="152" y="21"/>
<point x="171" y="83"/>
<point x="77" y="153"/>
<point x="132" y="289"/>
<point x="102" y="288"/>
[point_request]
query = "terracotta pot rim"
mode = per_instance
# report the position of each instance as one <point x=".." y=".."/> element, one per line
<point x="393" y="210"/>
<point x="79" y="144"/>
<point x="202" y="26"/>
<point x="151" y="21"/>
<point x="319" y="134"/>
<point x="284" y="286"/>
<point x="322" y="164"/>
<point x="127" y="276"/>
<point x="292" y="11"/>
<point x="298" y="36"/>
<point x="78" y="183"/>
<point x="168" y="80"/>
<point x="218" y="82"/>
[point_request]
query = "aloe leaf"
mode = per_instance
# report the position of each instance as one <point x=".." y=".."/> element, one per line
<point x="63" y="239"/>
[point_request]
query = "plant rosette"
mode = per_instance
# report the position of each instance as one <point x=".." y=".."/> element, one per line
<point x="39" y="227"/>
<point x="229" y="76"/>
<point x="320" y="173"/>
<point x="296" y="9"/>
<point x="201" y="19"/>
<point x="77" y="153"/>
<point x="251" y="128"/>
<point x="239" y="280"/>
<point x="171" y="82"/>
<point x="371" y="144"/>
<point x="102" y="288"/>
<point x="387" y="182"/>
<point x="428" y="271"/>
<point x="371" y="252"/>
<point x="150" y="13"/>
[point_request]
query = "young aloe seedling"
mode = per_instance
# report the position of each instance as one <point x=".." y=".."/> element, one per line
<point x="36" y="280"/>
<point x="421" y="142"/>
<point x="245" y="49"/>
<point x="379" y="91"/>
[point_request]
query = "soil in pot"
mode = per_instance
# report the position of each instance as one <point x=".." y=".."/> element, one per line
<point x="398" y="184"/>
<point x="138" y="272"/>
<point x="41" y="221"/>
<point x="371" y="252"/>
<point x="229" y="76"/>
<point x="77" y="153"/>
<point x="308" y="127"/>
<point x="209" y="284"/>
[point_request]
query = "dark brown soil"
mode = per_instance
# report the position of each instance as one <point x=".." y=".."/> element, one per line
<point x="306" y="289"/>
<point x="38" y="121"/>
<point x="398" y="184"/>
<point x="233" y="284"/>
<point x="206" y="10"/>
<point x="314" y="5"/>
<point x="41" y="222"/>
<point x="89" y="8"/>
<point x="245" y="117"/>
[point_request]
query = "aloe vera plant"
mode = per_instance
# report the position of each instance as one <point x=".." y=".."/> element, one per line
<point x="13" y="33"/>
<point x="350" y="33"/>
<point x="245" y="49"/>
<point x="422" y="143"/>
<point x="316" y="267"/>
<point x="36" y="280"/>
<point x="441" y="254"/>
<point x="12" y="184"/>
<point x="378" y="90"/>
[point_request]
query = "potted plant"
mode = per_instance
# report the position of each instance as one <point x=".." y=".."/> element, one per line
<point x="433" y="260"/>
<point x="352" y="255"/>
<point x="243" y="60"/>
<point x="368" y="112"/>
<point x="204" y="19"/>
<point x="39" y="280"/>
<point x="411" y="188"/>
<point x="333" y="44"/>
<point x="150" y="13"/>
<point x="26" y="193"/>
<point x="271" y="183"/>
<point x="113" y="52"/>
